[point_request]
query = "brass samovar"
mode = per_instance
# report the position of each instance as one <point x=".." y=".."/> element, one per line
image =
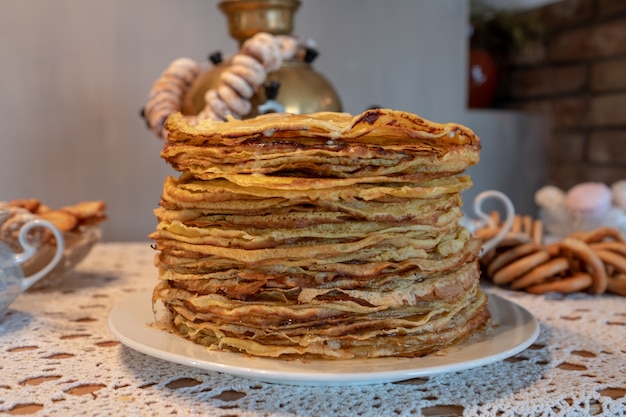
<point x="296" y="86"/>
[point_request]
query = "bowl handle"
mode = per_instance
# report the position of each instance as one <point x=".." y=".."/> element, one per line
<point x="30" y="250"/>
<point x="484" y="217"/>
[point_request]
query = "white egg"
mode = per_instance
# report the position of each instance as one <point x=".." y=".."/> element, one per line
<point x="618" y="190"/>
<point x="550" y="197"/>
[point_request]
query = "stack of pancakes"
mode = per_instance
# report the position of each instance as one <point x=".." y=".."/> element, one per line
<point x="322" y="235"/>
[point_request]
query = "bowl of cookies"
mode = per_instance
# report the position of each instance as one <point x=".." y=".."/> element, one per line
<point x="79" y="223"/>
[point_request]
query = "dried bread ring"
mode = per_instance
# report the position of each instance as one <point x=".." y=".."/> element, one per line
<point x="592" y="262"/>
<point x="515" y="238"/>
<point x="217" y="104"/>
<point x="494" y="219"/>
<point x="488" y="257"/>
<point x="264" y="49"/>
<point x="617" y="247"/>
<point x="167" y="87"/>
<point x="617" y="284"/>
<point x="486" y="233"/>
<point x="575" y="283"/>
<point x="520" y="267"/>
<point x="553" y="249"/>
<point x="611" y="258"/>
<point x="288" y="46"/>
<point x="237" y="83"/>
<point x="166" y="93"/>
<point x="527" y="225"/>
<point x="601" y="233"/>
<point x="510" y="240"/>
<point x="238" y="105"/>
<point x="537" y="232"/>
<point x="511" y="255"/>
<point x="577" y="235"/>
<point x="517" y="224"/>
<point x="248" y="69"/>
<point x="541" y="273"/>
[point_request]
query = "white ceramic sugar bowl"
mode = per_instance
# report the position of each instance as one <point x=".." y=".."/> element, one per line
<point x="12" y="280"/>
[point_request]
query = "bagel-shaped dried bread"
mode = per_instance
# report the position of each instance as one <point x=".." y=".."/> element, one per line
<point x="511" y="255"/>
<point x="553" y="249"/>
<point x="520" y="267"/>
<point x="486" y="233"/>
<point x="510" y="241"/>
<point x="524" y="230"/>
<point x="515" y="238"/>
<point x="602" y="233"/>
<point x="527" y="225"/>
<point x="615" y="260"/>
<point x="571" y="284"/>
<point x="516" y="227"/>
<point x="244" y="73"/>
<point x="617" y="284"/>
<point x="494" y="219"/>
<point x="616" y="247"/>
<point x="537" y="234"/>
<point x="592" y="262"/>
<point x="541" y="273"/>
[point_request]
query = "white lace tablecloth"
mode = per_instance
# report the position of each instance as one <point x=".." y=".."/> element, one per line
<point x="60" y="359"/>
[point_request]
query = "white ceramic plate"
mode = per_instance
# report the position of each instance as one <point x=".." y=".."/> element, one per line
<point x="131" y="322"/>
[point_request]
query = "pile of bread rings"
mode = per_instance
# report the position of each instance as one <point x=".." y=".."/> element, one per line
<point x="593" y="261"/>
<point x="259" y="55"/>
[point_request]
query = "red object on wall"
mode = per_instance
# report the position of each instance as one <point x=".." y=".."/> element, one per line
<point x="482" y="78"/>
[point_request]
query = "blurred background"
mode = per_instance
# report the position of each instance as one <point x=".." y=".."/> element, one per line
<point x="75" y="75"/>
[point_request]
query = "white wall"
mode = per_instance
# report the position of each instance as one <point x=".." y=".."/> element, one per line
<point x="512" y="158"/>
<point x="75" y="73"/>
<point x="402" y="54"/>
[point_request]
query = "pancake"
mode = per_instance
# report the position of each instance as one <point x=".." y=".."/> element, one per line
<point x="378" y="145"/>
<point x="333" y="329"/>
<point x="323" y="235"/>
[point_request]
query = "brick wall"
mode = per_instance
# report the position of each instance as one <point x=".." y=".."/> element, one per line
<point x="577" y="75"/>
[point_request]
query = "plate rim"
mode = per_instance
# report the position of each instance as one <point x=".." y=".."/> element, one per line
<point x="294" y="375"/>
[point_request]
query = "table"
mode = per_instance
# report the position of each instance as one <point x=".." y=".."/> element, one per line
<point x="59" y="358"/>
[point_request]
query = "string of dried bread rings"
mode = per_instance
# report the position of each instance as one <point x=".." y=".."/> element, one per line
<point x="247" y="71"/>
<point x="593" y="261"/>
